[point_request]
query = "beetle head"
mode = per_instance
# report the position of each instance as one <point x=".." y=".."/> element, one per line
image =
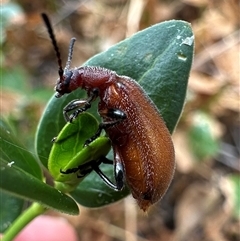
<point x="62" y="86"/>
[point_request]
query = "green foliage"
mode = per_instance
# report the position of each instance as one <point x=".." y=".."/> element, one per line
<point x="159" y="58"/>
<point x="14" y="204"/>
<point x="68" y="150"/>
<point x="12" y="151"/>
<point x="236" y="185"/>
<point x="16" y="181"/>
<point x="201" y="137"/>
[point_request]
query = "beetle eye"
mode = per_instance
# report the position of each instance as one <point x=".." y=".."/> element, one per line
<point x="62" y="86"/>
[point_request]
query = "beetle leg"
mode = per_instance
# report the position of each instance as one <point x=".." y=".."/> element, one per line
<point x="105" y="160"/>
<point x="70" y="170"/>
<point x="79" y="106"/>
<point x="94" y="165"/>
<point x="81" y="174"/>
<point x="118" y="171"/>
<point x="106" y="180"/>
<point x="119" y="175"/>
<point x="115" y="116"/>
<point x="87" y="167"/>
<point x="82" y="170"/>
<point x="97" y="134"/>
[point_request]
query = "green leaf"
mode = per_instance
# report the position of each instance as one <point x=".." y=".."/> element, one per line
<point x="15" y="153"/>
<point x="235" y="180"/>
<point x="15" y="79"/>
<point x="68" y="150"/>
<point x="201" y="136"/>
<point x="11" y="207"/>
<point x="159" y="58"/>
<point x="19" y="183"/>
<point x="93" y="192"/>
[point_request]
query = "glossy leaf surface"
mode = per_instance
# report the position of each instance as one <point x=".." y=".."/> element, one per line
<point x="19" y="183"/>
<point x="11" y="208"/>
<point x="97" y="194"/>
<point x="68" y="150"/>
<point x="14" y="152"/>
<point x="21" y="176"/>
<point x="159" y="58"/>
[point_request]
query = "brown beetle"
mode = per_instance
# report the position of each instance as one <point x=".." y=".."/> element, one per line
<point x="142" y="145"/>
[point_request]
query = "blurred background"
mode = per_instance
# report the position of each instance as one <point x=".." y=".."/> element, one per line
<point x="203" y="202"/>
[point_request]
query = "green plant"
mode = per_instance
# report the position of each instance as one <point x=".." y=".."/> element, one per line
<point x="159" y="58"/>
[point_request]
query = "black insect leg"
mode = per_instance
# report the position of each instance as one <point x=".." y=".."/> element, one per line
<point x="114" y="115"/>
<point x="79" y="106"/>
<point x="106" y="180"/>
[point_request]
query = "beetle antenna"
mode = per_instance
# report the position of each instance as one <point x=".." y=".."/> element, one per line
<point x="70" y="54"/>
<point x="54" y="42"/>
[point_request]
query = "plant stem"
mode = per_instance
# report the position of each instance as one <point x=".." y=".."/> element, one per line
<point x="21" y="222"/>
